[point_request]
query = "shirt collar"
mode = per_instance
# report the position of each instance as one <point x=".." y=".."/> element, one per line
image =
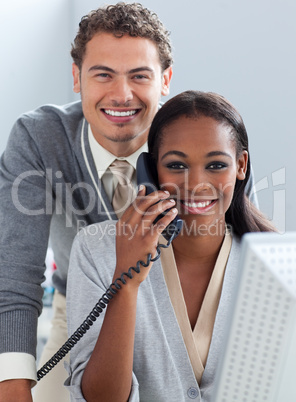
<point x="104" y="158"/>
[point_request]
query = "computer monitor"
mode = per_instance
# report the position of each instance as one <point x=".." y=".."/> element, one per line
<point x="258" y="361"/>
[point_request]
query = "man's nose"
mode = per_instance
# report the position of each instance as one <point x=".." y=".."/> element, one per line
<point x="121" y="92"/>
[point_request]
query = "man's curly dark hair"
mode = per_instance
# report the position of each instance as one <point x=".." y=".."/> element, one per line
<point x="123" y="19"/>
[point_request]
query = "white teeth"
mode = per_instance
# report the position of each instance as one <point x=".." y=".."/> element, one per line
<point x="120" y="114"/>
<point x="197" y="204"/>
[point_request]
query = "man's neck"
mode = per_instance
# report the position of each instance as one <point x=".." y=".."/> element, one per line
<point x="124" y="148"/>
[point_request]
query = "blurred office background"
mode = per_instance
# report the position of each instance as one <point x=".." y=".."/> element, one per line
<point x="244" y="50"/>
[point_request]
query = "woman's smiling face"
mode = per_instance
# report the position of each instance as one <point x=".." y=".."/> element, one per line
<point x="198" y="165"/>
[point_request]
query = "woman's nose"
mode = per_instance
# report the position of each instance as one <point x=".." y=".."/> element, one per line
<point x="198" y="183"/>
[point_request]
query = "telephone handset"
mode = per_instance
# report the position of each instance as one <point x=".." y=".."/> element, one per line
<point x="147" y="175"/>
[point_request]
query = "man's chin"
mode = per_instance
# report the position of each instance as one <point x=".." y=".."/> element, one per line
<point x="122" y="138"/>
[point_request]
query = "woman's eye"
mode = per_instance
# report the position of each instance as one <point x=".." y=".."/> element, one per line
<point x="217" y="166"/>
<point x="176" y="166"/>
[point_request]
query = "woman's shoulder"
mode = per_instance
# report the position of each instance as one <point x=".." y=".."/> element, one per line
<point x="236" y="243"/>
<point x="235" y="251"/>
<point x="93" y="251"/>
<point x="97" y="235"/>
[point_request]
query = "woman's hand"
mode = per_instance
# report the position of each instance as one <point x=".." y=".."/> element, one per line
<point x="137" y="235"/>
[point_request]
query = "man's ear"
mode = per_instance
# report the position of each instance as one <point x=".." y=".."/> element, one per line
<point x="76" y="78"/>
<point x="242" y="164"/>
<point x="166" y="79"/>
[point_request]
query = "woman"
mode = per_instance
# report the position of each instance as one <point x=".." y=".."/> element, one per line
<point x="159" y="339"/>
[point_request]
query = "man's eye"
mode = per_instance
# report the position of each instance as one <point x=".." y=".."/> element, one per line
<point x="140" y="77"/>
<point x="103" y="75"/>
<point x="217" y="166"/>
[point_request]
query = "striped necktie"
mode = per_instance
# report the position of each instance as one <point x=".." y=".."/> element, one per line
<point x="124" y="193"/>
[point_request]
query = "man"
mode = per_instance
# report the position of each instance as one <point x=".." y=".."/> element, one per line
<point x="55" y="177"/>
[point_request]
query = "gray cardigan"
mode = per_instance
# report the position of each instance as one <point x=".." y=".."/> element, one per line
<point x="162" y="370"/>
<point x="48" y="186"/>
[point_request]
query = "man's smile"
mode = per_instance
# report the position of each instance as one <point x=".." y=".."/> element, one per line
<point x="119" y="113"/>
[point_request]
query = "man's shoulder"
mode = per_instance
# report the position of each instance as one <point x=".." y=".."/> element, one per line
<point x="68" y="112"/>
<point x="48" y="121"/>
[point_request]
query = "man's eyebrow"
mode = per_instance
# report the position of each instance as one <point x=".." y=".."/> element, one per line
<point x="178" y="153"/>
<point x="139" y="69"/>
<point x="110" y="70"/>
<point x="103" y="68"/>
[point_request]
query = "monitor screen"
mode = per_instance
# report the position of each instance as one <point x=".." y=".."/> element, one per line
<point x="258" y="360"/>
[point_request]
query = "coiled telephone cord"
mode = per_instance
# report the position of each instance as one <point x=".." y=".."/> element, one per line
<point x="97" y="310"/>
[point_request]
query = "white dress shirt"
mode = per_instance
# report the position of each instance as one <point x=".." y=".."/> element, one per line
<point x="103" y="160"/>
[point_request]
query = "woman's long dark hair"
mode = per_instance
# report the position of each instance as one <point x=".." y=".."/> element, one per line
<point x="242" y="215"/>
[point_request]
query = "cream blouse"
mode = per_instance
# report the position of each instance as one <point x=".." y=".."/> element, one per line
<point x="197" y="341"/>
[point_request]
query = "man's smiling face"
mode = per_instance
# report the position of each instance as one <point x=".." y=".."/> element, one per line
<point x="121" y="83"/>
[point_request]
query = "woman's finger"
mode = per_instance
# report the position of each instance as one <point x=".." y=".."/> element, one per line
<point x="143" y="202"/>
<point x="163" y="222"/>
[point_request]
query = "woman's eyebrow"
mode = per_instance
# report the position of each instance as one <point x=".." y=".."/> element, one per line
<point x="178" y="153"/>
<point x="209" y="155"/>
<point x="217" y="153"/>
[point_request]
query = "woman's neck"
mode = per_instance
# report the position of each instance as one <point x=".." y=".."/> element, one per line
<point x="202" y="248"/>
<point x="195" y="258"/>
